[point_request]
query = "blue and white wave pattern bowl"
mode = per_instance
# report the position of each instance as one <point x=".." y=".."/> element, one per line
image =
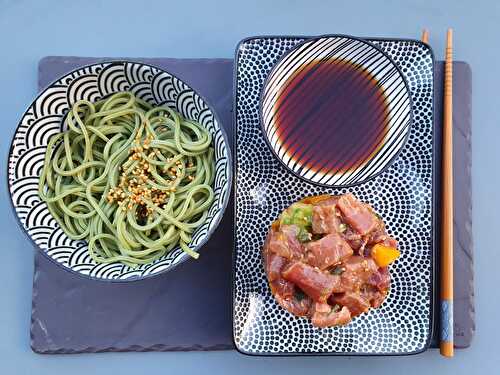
<point x="44" y="118"/>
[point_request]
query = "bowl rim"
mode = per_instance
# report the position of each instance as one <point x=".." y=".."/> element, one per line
<point x="184" y="257"/>
<point x="312" y="40"/>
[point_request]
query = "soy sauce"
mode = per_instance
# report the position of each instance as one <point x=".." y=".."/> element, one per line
<point x="331" y="116"/>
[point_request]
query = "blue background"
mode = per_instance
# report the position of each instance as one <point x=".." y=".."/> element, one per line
<point x="30" y="30"/>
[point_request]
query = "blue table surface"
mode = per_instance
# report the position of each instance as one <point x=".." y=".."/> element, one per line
<point x="30" y="30"/>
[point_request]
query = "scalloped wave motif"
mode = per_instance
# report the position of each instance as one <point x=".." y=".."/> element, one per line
<point x="44" y="119"/>
<point x="40" y="134"/>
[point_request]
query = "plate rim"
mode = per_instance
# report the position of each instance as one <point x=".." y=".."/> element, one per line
<point x="436" y="154"/>
<point x="185" y="257"/>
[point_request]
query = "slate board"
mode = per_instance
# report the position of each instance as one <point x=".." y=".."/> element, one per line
<point x="190" y="309"/>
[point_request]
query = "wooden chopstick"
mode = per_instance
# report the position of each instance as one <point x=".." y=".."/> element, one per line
<point x="446" y="340"/>
<point x="425" y="36"/>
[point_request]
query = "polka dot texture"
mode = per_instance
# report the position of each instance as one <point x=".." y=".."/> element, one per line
<point x="402" y="194"/>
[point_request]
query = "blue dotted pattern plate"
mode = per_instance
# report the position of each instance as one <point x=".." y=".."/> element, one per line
<point x="402" y="194"/>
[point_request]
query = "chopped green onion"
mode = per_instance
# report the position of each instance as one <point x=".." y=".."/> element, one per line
<point x="338" y="270"/>
<point x="304" y="235"/>
<point x="299" y="294"/>
<point x="336" y="308"/>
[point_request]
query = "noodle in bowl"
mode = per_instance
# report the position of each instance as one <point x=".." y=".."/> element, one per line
<point x="119" y="171"/>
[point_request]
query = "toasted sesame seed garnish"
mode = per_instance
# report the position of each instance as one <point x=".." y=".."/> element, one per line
<point x="134" y="192"/>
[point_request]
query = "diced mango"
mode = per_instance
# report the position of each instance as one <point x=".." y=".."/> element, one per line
<point x="384" y="255"/>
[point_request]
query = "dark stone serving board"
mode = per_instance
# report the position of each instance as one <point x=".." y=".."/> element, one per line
<point x="190" y="309"/>
<point x="463" y="266"/>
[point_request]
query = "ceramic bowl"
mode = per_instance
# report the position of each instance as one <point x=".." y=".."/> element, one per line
<point x="44" y="118"/>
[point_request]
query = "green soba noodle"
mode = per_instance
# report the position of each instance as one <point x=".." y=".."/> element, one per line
<point x="132" y="179"/>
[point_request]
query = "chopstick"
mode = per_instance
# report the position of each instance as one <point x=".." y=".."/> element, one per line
<point x="446" y="313"/>
<point x="446" y="339"/>
<point x="425" y="36"/>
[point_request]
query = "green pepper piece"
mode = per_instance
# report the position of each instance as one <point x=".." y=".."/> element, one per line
<point x="299" y="214"/>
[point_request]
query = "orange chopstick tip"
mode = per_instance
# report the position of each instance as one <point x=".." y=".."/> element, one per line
<point x="425" y="36"/>
<point x="449" y="38"/>
<point x="446" y="349"/>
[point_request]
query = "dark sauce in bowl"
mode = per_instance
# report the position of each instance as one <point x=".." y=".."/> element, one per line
<point x="331" y="116"/>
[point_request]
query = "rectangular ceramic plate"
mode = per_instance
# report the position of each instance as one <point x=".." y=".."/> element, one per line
<point x="403" y="195"/>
